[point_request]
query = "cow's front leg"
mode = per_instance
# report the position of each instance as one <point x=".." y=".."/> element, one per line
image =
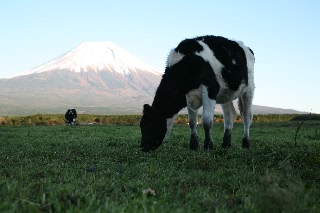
<point x="207" y="118"/>
<point x="193" y="123"/>
<point x="228" y="117"/>
<point x="208" y="144"/>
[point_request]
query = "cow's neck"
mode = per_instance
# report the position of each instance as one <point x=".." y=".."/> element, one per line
<point x="168" y="102"/>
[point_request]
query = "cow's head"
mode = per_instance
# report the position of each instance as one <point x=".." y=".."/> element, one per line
<point x="153" y="128"/>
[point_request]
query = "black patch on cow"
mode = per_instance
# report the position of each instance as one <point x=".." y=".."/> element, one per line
<point x="189" y="73"/>
<point x="189" y="46"/>
<point x="233" y="58"/>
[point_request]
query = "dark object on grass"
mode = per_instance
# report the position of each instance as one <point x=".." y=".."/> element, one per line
<point x="71" y="117"/>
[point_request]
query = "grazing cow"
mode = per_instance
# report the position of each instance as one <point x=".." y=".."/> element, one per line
<point x="71" y="116"/>
<point x="202" y="71"/>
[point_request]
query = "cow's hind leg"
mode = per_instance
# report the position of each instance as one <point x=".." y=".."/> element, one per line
<point x="193" y="123"/>
<point x="228" y="116"/>
<point x="245" y="106"/>
<point x="207" y="117"/>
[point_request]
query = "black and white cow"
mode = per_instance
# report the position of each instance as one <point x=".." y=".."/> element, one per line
<point x="202" y="71"/>
<point x="71" y="116"/>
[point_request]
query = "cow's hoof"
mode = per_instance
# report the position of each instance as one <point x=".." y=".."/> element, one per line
<point x="226" y="139"/>
<point x="194" y="144"/>
<point x="226" y="145"/>
<point x="208" y="145"/>
<point x="245" y="143"/>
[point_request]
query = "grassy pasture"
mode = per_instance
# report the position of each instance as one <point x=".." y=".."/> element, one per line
<point x="99" y="168"/>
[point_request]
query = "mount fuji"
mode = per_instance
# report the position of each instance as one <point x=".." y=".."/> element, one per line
<point x="94" y="77"/>
<point x="95" y="56"/>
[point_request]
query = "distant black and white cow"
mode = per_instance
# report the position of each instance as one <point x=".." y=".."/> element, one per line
<point x="199" y="72"/>
<point x="71" y="116"/>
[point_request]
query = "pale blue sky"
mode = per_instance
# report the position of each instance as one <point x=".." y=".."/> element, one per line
<point x="284" y="35"/>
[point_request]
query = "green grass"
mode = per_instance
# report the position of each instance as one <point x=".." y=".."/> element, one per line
<point x="100" y="169"/>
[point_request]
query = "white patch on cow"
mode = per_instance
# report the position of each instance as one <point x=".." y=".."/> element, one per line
<point x="170" y="122"/>
<point x="208" y="55"/>
<point x="174" y="57"/>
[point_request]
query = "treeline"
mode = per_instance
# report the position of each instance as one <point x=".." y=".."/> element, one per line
<point x="87" y="119"/>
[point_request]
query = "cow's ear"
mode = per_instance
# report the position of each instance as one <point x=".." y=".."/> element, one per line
<point x="148" y="110"/>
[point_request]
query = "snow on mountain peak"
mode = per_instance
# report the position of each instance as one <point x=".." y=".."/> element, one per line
<point x="95" y="56"/>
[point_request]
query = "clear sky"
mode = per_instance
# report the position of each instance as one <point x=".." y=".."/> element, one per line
<point x="284" y="35"/>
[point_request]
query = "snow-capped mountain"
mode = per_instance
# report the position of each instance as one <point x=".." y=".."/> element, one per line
<point x="98" y="77"/>
<point x="95" y="56"/>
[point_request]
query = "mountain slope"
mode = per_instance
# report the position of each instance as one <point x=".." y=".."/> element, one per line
<point x="53" y="92"/>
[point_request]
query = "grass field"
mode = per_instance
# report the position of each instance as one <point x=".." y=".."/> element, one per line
<point x="100" y="169"/>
